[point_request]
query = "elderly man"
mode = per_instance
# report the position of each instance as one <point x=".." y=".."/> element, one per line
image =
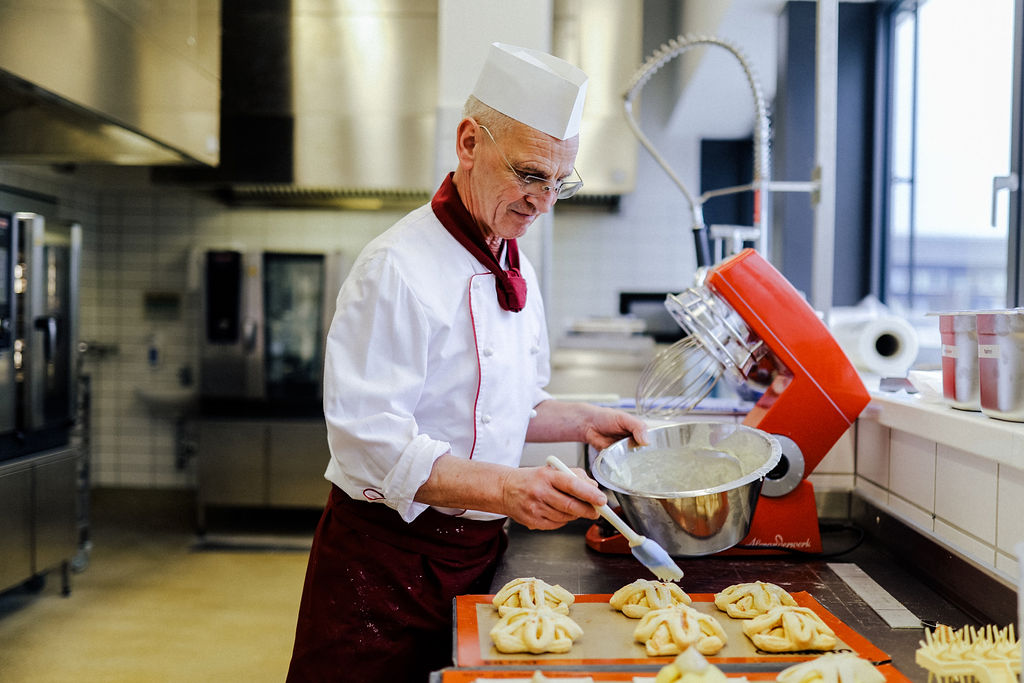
<point x="437" y="360"/>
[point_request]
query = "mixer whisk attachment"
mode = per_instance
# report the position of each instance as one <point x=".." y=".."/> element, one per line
<point x="986" y="655"/>
<point x="677" y="379"/>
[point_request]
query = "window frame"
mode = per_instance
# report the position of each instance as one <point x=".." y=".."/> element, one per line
<point x="884" y="182"/>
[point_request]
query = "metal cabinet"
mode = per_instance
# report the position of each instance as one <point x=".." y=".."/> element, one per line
<point x="296" y="459"/>
<point x="38" y="505"/>
<point x="54" y="508"/>
<point x="232" y="463"/>
<point x="16" y="512"/>
<point x="261" y="463"/>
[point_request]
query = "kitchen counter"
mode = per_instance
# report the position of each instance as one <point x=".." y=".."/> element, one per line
<point x="562" y="557"/>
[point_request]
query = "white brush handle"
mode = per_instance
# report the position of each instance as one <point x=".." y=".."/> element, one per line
<point x="620" y="525"/>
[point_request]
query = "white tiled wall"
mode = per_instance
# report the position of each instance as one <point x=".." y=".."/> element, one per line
<point x="1009" y="517"/>
<point x="960" y="475"/>
<point x="873" y="453"/>
<point x="912" y="462"/>
<point x="912" y="469"/>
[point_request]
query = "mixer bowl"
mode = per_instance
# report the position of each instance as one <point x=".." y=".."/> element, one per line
<point x="694" y="487"/>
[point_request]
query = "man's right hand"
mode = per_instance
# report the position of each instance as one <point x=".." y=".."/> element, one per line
<point x="544" y="498"/>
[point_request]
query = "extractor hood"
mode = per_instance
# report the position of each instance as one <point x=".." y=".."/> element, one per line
<point x="108" y="82"/>
<point x="302" y="102"/>
<point x="336" y="104"/>
<point x="325" y="103"/>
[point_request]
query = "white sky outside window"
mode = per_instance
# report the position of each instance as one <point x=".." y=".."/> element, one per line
<point x="942" y="243"/>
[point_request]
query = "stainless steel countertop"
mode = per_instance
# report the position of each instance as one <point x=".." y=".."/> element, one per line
<point x="562" y="557"/>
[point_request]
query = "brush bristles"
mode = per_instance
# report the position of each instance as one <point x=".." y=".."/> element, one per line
<point x="673" y="573"/>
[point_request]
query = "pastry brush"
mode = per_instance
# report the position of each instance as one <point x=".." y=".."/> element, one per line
<point x="650" y="554"/>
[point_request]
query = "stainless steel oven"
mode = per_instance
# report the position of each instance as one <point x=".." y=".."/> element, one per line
<point x="39" y="264"/>
<point x="265" y="317"/>
<point x="7" y="386"/>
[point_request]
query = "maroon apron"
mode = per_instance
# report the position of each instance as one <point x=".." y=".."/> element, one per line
<point x="377" y="599"/>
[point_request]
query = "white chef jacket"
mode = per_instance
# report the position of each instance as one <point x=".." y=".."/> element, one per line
<point x="421" y="360"/>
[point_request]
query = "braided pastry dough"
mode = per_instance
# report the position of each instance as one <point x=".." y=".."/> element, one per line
<point x="643" y="595"/>
<point x="790" y="629"/>
<point x="749" y="600"/>
<point x="532" y="593"/>
<point x="670" y="630"/>
<point x="690" y="667"/>
<point x="535" y="631"/>
<point x="844" y="667"/>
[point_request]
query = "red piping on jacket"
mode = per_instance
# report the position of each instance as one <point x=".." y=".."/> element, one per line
<point x="479" y="370"/>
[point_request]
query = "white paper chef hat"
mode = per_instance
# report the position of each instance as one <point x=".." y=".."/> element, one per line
<point x="544" y="92"/>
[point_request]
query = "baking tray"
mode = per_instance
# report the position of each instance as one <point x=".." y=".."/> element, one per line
<point x="608" y="637"/>
<point x="892" y="675"/>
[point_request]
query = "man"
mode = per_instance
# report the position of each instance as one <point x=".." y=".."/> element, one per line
<point x="436" y="362"/>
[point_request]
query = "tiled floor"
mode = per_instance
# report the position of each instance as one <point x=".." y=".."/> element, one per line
<point x="152" y="607"/>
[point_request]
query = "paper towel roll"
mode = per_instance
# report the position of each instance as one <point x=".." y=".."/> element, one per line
<point x="886" y="345"/>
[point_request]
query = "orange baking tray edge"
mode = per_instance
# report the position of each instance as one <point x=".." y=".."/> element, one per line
<point x="468" y="642"/>
<point x="892" y="675"/>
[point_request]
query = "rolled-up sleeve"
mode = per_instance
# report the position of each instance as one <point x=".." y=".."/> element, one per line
<point x="374" y="373"/>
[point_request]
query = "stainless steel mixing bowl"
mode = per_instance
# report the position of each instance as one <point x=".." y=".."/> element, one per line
<point x="694" y="487"/>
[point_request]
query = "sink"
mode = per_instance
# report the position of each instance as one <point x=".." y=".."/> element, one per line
<point x="168" y="401"/>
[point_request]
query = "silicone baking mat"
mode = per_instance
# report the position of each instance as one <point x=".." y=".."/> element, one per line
<point x="608" y="636"/>
<point x="620" y="676"/>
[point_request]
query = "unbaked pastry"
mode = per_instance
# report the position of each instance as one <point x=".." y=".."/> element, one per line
<point x="749" y="600"/>
<point x="522" y="629"/>
<point x="790" y="629"/>
<point x="643" y="595"/>
<point x="844" y="667"/>
<point x="531" y="592"/>
<point x="690" y="667"/>
<point x="670" y="630"/>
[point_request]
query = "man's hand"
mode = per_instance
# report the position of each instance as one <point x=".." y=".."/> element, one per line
<point x="536" y="497"/>
<point x="597" y="426"/>
<point x="607" y="426"/>
<point x="544" y="498"/>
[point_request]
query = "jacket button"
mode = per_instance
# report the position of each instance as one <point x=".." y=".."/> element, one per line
<point x="534" y="350"/>
<point x="488" y="352"/>
<point x="486" y="419"/>
<point x="533" y="414"/>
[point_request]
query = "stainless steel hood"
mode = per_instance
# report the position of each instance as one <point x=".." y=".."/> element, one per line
<point x="127" y="82"/>
<point x="336" y="104"/>
<point x="326" y="103"/>
<point x="37" y="127"/>
<point x="302" y="102"/>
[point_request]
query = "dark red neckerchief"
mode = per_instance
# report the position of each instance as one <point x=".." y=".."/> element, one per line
<point x="454" y="216"/>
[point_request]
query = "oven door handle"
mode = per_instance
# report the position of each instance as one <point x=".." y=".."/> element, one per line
<point x="48" y="326"/>
<point x="250" y="334"/>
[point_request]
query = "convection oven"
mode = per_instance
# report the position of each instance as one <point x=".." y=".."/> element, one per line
<point x="265" y="317"/>
<point x="39" y="263"/>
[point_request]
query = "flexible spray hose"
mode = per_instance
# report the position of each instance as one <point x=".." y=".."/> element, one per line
<point x="658" y="59"/>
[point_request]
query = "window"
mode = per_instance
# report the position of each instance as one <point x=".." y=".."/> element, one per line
<point x="950" y="133"/>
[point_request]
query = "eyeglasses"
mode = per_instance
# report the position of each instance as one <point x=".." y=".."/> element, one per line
<point x="536" y="186"/>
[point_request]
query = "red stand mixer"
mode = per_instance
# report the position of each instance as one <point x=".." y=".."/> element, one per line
<point x="748" y="324"/>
